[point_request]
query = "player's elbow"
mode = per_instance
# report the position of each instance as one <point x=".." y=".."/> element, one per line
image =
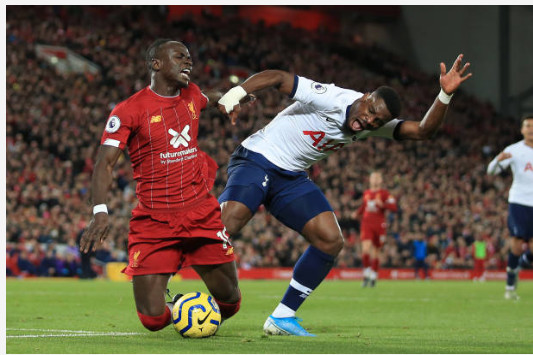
<point x="425" y="134"/>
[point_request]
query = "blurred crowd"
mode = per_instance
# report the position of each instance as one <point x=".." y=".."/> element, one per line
<point x="55" y="121"/>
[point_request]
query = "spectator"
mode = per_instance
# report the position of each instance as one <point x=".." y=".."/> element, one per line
<point x="420" y="253"/>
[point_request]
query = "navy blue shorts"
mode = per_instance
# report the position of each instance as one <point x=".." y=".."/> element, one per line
<point x="289" y="196"/>
<point x="520" y="221"/>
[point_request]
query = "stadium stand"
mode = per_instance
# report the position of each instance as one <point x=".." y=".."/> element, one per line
<point x="55" y="120"/>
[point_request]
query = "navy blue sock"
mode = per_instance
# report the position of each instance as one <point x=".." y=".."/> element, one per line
<point x="312" y="267"/>
<point x="512" y="269"/>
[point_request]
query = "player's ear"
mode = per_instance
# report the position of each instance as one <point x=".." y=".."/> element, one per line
<point x="156" y="64"/>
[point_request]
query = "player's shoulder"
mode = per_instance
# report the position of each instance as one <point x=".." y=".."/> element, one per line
<point x="329" y="90"/>
<point x="520" y="145"/>
<point x="192" y="89"/>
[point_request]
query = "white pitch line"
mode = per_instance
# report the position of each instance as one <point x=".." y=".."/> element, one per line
<point x="66" y="333"/>
<point x="53" y="330"/>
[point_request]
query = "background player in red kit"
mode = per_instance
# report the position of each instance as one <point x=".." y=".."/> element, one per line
<point x="177" y="221"/>
<point x="376" y="201"/>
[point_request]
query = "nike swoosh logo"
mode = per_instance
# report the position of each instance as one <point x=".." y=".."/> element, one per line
<point x="202" y="321"/>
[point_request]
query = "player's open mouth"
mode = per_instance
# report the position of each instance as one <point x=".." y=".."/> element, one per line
<point x="357" y="125"/>
<point x="185" y="74"/>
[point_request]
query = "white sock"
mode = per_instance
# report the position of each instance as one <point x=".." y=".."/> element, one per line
<point x="283" y="311"/>
<point x="367" y="272"/>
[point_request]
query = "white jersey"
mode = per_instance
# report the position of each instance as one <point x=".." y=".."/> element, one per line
<point x="521" y="162"/>
<point x="312" y="128"/>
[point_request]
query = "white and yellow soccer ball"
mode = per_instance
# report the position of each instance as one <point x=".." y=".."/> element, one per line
<point x="196" y="315"/>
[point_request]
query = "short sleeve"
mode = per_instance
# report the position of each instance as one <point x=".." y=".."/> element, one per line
<point x="118" y="127"/>
<point x="388" y="130"/>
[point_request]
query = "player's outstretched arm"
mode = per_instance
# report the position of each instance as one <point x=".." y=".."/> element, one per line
<point x="449" y="83"/>
<point x="230" y="102"/>
<point x="101" y="181"/>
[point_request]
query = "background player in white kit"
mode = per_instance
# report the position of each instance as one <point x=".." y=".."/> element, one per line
<point x="519" y="156"/>
<point x="269" y="166"/>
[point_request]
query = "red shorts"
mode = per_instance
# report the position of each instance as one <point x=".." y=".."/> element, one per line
<point x="164" y="241"/>
<point x="374" y="232"/>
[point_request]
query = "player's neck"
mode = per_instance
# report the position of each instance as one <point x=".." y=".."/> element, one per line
<point x="529" y="143"/>
<point x="165" y="90"/>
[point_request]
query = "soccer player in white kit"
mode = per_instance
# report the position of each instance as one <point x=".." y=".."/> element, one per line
<point x="269" y="166"/>
<point x="519" y="156"/>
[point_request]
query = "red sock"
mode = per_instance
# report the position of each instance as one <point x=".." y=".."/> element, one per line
<point x="366" y="260"/>
<point x="155" y="323"/>
<point x="228" y="309"/>
<point x="375" y="264"/>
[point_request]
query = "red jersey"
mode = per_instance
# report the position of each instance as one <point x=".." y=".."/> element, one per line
<point x="161" y="135"/>
<point x="370" y="211"/>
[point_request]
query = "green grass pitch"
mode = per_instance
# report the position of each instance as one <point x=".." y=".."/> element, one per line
<point x="73" y="316"/>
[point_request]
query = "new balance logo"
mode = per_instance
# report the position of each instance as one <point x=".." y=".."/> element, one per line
<point x="182" y="138"/>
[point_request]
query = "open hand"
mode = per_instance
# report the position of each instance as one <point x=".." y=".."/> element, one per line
<point x="233" y="114"/>
<point x="96" y="231"/>
<point x="248" y="99"/>
<point x="450" y="81"/>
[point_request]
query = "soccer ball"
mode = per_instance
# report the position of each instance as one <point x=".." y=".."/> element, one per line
<point x="196" y="315"/>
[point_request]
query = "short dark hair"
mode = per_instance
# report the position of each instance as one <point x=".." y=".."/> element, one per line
<point x="528" y="116"/>
<point x="391" y="98"/>
<point x="151" y="52"/>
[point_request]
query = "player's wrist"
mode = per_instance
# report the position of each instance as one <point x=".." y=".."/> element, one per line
<point x="100" y="208"/>
<point x="232" y="98"/>
<point x="444" y="97"/>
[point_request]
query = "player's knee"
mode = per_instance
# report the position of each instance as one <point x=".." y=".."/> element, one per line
<point x="331" y="244"/>
<point x="234" y="216"/>
<point x="338" y="244"/>
<point x="154" y="323"/>
<point x="233" y="226"/>
<point x="228" y="309"/>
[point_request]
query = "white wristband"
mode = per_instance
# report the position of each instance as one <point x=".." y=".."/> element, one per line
<point x="444" y="97"/>
<point x="232" y="98"/>
<point x="100" y="208"/>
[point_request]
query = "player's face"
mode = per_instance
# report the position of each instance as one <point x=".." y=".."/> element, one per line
<point x="376" y="180"/>
<point x="527" y="129"/>
<point x="175" y="63"/>
<point x="368" y="113"/>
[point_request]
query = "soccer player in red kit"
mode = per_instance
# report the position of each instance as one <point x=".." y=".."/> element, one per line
<point x="376" y="201"/>
<point x="177" y="222"/>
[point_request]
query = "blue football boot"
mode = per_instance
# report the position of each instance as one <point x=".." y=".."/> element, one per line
<point x="285" y="326"/>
